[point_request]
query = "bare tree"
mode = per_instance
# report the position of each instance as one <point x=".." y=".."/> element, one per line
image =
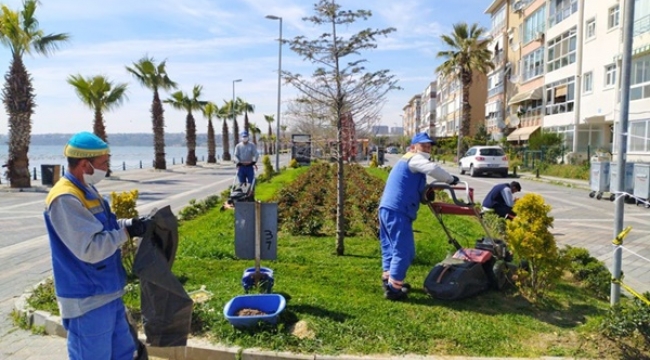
<point x="342" y="88"/>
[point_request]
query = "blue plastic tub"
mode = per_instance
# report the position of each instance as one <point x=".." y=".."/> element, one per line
<point x="266" y="280"/>
<point x="270" y="304"/>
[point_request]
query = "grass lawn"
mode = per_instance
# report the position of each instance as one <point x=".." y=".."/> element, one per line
<point x="338" y="304"/>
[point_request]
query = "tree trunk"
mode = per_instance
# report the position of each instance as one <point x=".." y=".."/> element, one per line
<point x="18" y="98"/>
<point x="212" y="147"/>
<point x="270" y="139"/>
<point x="467" y="109"/>
<point x="99" y="129"/>
<point x="157" y="116"/>
<point x="190" y="139"/>
<point x="340" y="190"/>
<point x="225" y="141"/>
<point x="246" y="123"/>
<point x="235" y="131"/>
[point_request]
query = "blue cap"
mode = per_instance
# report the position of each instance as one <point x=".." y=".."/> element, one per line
<point x="422" y="138"/>
<point x="244" y="134"/>
<point x="85" y="145"/>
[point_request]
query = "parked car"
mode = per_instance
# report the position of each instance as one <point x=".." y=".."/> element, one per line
<point x="392" y="150"/>
<point x="484" y="160"/>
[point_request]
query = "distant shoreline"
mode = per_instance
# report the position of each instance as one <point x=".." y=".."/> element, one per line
<point x="118" y="139"/>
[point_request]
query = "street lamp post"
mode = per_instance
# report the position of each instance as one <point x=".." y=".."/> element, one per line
<point x="232" y="109"/>
<point x="277" y="125"/>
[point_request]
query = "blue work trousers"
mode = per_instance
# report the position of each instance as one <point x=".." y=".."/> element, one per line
<point x="397" y="243"/>
<point x="100" y="334"/>
<point x="245" y="174"/>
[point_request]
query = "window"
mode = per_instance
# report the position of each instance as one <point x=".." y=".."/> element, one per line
<point x="641" y="17"/>
<point x="588" y="82"/>
<point x="640" y="88"/>
<point x="613" y="17"/>
<point x="560" y="96"/>
<point x="562" y="50"/>
<point x="560" y="10"/>
<point x="533" y="64"/>
<point x="499" y="20"/>
<point x="590" y="29"/>
<point x="639" y="140"/>
<point x="534" y="24"/>
<point x="610" y="75"/>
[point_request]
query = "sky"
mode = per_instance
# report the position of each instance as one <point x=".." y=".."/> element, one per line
<point x="213" y="42"/>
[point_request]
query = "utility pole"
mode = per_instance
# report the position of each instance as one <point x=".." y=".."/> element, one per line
<point x="626" y="70"/>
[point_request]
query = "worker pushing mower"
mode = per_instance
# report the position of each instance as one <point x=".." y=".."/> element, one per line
<point x="245" y="158"/>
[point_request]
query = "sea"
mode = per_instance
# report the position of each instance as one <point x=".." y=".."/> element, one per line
<point x="122" y="157"/>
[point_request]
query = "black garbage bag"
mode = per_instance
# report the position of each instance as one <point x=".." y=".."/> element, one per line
<point x="166" y="306"/>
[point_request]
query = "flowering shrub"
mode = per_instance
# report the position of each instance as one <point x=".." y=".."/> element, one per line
<point x="530" y="239"/>
<point x="123" y="205"/>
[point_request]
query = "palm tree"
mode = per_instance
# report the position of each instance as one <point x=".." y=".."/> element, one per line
<point x="181" y="101"/>
<point x="284" y="134"/>
<point x="254" y="130"/>
<point x="100" y="95"/>
<point x="468" y="55"/>
<point x="209" y="111"/>
<point x="154" y="77"/>
<point x="224" y="113"/>
<point x="238" y="110"/>
<point x="19" y="32"/>
<point x="246" y="108"/>
<point x="270" y="119"/>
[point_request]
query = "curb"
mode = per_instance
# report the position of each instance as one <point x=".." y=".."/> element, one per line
<point x="201" y="349"/>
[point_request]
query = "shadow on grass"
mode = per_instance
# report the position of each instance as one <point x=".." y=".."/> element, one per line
<point x="495" y="302"/>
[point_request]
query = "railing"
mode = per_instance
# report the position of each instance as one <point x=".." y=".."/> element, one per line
<point x="37" y="174"/>
<point x="494" y="91"/>
<point x="642" y="25"/>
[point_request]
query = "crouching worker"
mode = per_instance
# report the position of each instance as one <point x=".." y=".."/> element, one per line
<point x="85" y="239"/>
<point x="501" y="200"/>
<point x="398" y="209"/>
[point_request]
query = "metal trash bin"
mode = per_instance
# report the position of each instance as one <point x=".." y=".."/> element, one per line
<point x="598" y="178"/>
<point x="50" y="174"/>
<point x="641" y="182"/>
<point x="628" y="186"/>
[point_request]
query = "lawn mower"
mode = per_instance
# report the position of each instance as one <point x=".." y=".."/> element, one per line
<point x="469" y="271"/>
<point x="241" y="192"/>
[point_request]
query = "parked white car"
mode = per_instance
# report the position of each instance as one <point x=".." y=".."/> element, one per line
<point x="484" y="160"/>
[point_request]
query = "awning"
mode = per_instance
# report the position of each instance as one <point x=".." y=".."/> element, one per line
<point x="525" y="96"/>
<point x="522" y="134"/>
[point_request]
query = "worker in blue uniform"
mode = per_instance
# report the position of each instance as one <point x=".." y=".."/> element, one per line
<point x="501" y="200"/>
<point x="398" y="209"/>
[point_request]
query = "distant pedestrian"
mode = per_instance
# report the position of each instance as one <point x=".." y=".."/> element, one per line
<point x="246" y="157"/>
<point x="85" y="239"/>
<point x="398" y="209"/>
<point x="501" y="200"/>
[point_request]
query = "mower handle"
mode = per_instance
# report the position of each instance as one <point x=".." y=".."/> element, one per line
<point x="436" y="186"/>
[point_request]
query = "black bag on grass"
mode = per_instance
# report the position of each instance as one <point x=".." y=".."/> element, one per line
<point x="454" y="279"/>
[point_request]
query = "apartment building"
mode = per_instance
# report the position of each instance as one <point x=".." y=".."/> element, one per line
<point x="449" y="104"/>
<point x="496" y="79"/>
<point x="525" y="98"/>
<point x="411" y="116"/>
<point x="428" y="109"/>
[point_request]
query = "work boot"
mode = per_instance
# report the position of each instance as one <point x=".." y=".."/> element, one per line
<point x="394" y="295"/>
<point x="405" y="285"/>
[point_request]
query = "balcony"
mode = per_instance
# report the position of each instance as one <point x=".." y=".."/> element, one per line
<point x="562" y="12"/>
<point x="495" y="91"/>
<point x="498" y="59"/>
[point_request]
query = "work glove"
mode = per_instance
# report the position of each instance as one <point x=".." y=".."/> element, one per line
<point x="138" y="226"/>
<point x="455" y="180"/>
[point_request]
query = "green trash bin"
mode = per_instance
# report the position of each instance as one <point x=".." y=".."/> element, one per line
<point x="50" y="174"/>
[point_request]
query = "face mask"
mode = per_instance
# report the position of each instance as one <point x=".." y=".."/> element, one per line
<point x="97" y="176"/>
<point x="245" y="140"/>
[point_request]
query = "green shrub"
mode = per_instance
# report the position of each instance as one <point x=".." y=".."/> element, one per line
<point x="197" y="208"/>
<point x="373" y="161"/>
<point x="590" y="271"/>
<point x="293" y="163"/>
<point x="629" y="320"/>
<point x="267" y="168"/>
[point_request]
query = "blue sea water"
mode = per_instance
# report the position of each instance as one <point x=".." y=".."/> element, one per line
<point x="122" y="157"/>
